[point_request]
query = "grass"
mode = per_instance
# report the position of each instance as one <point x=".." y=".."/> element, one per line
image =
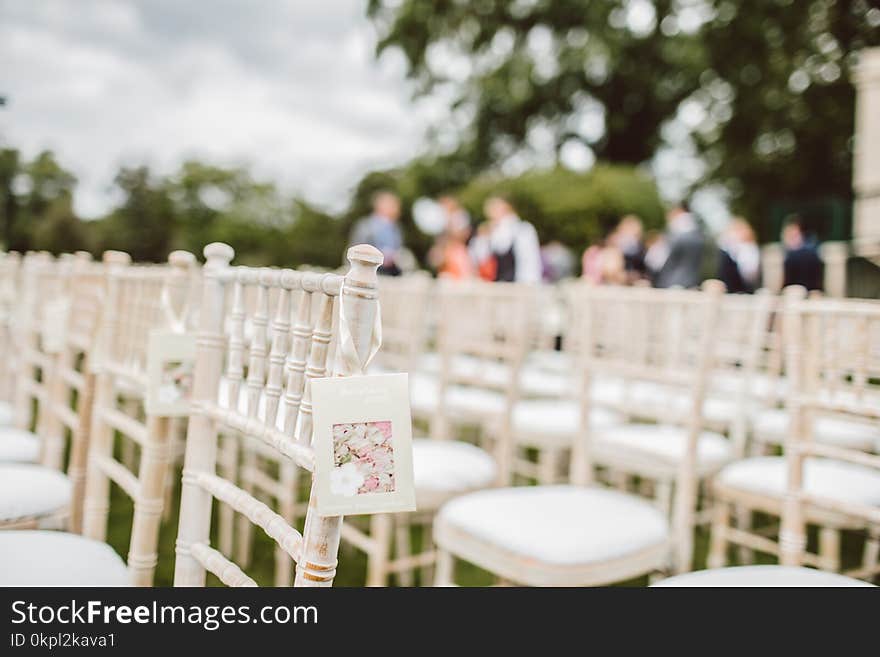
<point x="353" y="563"/>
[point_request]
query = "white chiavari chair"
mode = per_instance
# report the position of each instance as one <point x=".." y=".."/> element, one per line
<point x="10" y="269"/>
<point x="831" y="372"/>
<point x="34" y="489"/>
<point x="647" y="339"/>
<point x="259" y="469"/>
<point x="134" y="301"/>
<point x="271" y="404"/>
<point x="579" y="534"/>
<point x="470" y="330"/>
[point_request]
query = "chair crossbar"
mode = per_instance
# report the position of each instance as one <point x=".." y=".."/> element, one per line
<point x="288" y="538"/>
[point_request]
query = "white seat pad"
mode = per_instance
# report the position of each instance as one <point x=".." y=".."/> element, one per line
<point x="749" y="576"/>
<point x="47" y="558"/>
<point x="451" y="466"/>
<point x="424" y="392"/>
<point x="822" y="478"/>
<point x="608" y="392"/>
<point x="18" y="446"/>
<point x="562" y="525"/>
<point x="558" y="417"/>
<point x="7" y="414"/>
<point x="665" y="442"/>
<point x="772" y="425"/>
<point x="31" y="491"/>
<point x="551" y="361"/>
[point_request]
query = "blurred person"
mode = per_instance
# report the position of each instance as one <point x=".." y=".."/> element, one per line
<point x="627" y="238"/>
<point x="450" y="256"/>
<point x="506" y="248"/>
<point x="802" y="264"/>
<point x="557" y="261"/>
<point x="739" y="258"/>
<point x="382" y="230"/>
<point x="603" y="264"/>
<point x="682" y="255"/>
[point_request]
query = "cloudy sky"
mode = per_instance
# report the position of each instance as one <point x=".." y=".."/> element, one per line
<point x="290" y="88"/>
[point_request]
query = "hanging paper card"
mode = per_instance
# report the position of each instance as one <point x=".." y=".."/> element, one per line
<point x="363" y="445"/>
<point x="170" y="361"/>
<point x="56" y="314"/>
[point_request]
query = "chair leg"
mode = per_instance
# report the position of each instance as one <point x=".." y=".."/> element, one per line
<point x="663" y="496"/>
<point x="427" y="572"/>
<point x="548" y="460"/>
<point x="245" y="530"/>
<point x="829" y="549"/>
<point x="289" y="477"/>
<point x="718" y="543"/>
<point x="227" y="467"/>
<point x="871" y="555"/>
<point x="403" y="548"/>
<point x="378" y="557"/>
<point x="743" y="517"/>
<point x="445" y="568"/>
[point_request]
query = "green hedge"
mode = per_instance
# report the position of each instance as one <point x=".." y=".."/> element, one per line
<point x="573" y="208"/>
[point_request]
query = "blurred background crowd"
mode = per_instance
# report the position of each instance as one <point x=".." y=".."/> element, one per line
<point x="506" y="247"/>
<point x="625" y="141"/>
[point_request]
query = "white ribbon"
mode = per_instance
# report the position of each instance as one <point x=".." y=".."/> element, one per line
<point x="347" y="351"/>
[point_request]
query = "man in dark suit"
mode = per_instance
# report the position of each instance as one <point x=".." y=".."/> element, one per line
<point x="802" y="264"/>
<point x="684" y="243"/>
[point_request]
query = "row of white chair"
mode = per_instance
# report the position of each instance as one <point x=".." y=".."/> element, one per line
<point x="265" y="398"/>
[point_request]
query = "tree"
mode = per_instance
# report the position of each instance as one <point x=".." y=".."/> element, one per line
<point x="573" y="208"/>
<point x="517" y="65"/>
<point x="143" y="225"/>
<point x="769" y="77"/>
<point x="779" y="100"/>
<point x="9" y="169"/>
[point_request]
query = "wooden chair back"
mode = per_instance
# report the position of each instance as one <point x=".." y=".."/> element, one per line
<point x="10" y="272"/>
<point x="405" y="301"/>
<point x="663" y="336"/>
<point x="832" y="349"/>
<point x="267" y="398"/>
<point x="139" y="299"/>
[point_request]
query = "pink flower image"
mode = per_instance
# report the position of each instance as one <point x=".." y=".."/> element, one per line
<point x="363" y="459"/>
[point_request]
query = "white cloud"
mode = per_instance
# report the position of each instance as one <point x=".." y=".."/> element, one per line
<point x="289" y="88"/>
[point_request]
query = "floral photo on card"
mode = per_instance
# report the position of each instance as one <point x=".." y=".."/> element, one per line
<point x="363" y="459"/>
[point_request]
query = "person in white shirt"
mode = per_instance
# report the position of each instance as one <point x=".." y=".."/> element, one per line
<point x="510" y="243"/>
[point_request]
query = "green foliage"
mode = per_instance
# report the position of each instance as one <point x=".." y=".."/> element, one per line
<point x="573" y="208"/>
<point x="772" y="76"/>
<point x="639" y="78"/>
<point x="780" y="73"/>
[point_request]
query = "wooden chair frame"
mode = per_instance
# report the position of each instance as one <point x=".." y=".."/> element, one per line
<point x="139" y="300"/>
<point x="295" y="356"/>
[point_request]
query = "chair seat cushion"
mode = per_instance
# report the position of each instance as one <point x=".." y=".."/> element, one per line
<point x="451" y="466"/>
<point x="18" y="446"/>
<point x="7" y="414"/>
<point x="31" y="491"/>
<point x="558" y="418"/>
<point x="826" y="478"/>
<point x="662" y="442"/>
<point x="559" y="362"/>
<point x="464" y="401"/>
<point x="750" y="576"/>
<point x="771" y="425"/>
<point x="560" y="525"/>
<point x="534" y="381"/>
<point x="49" y="558"/>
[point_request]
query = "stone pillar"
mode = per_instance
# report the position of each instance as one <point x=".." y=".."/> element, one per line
<point x="835" y="256"/>
<point x="866" y="163"/>
<point x="772" y="274"/>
